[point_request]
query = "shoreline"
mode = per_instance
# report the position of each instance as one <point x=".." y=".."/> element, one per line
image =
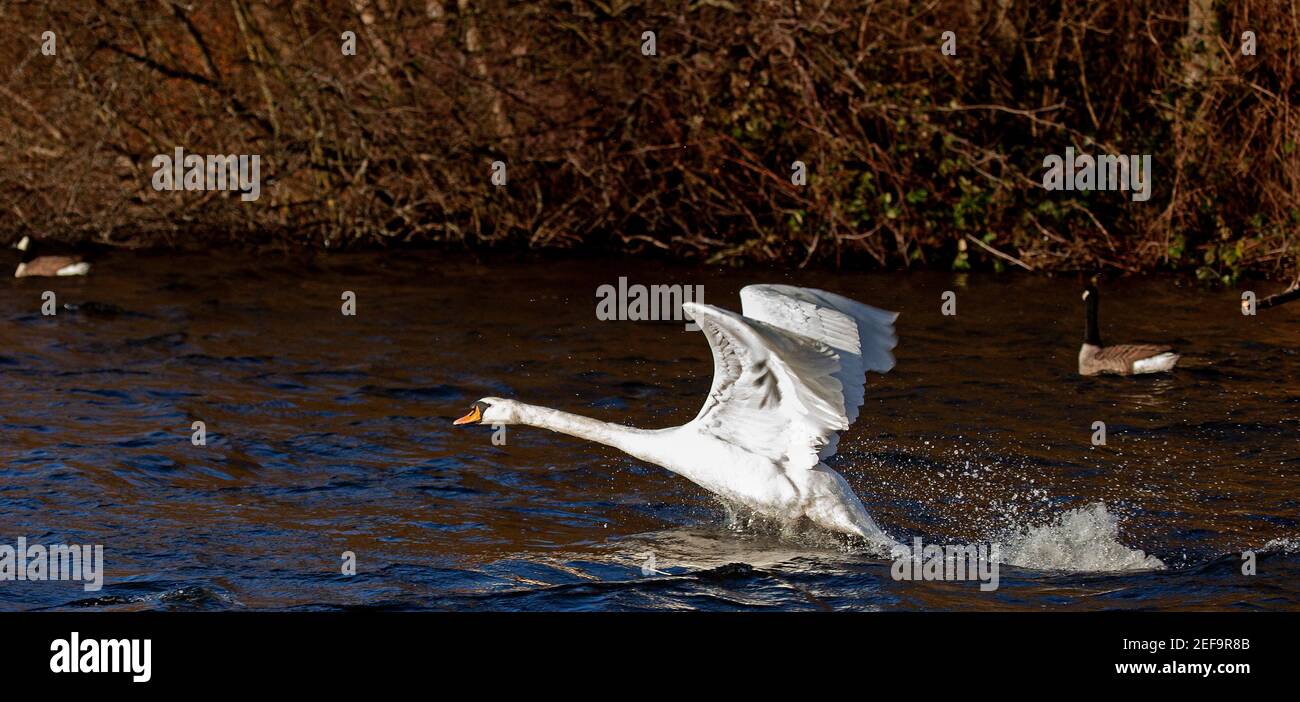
<point x="980" y="261"/>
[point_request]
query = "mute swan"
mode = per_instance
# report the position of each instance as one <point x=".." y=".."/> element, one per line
<point x="1125" y="359"/>
<point x="787" y="377"/>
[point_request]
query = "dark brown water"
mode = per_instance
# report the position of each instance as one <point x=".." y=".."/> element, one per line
<point x="329" y="433"/>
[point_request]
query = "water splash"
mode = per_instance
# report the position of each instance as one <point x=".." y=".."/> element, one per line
<point x="1083" y="539"/>
<point x="1282" y="545"/>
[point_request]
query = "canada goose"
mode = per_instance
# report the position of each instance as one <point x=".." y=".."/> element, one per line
<point x="1126" y="359"/>
<point x="788" y="375"/>
<point x="42" y="260"/>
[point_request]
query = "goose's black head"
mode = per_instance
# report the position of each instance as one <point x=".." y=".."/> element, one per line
<point x="27" y="247"/>
<point x="1091" y="329"/>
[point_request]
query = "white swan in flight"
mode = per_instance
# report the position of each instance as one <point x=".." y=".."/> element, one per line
<point x="787" y="377"/>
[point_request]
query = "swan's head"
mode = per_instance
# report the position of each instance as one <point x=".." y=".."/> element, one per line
<point x="490" y="410"/>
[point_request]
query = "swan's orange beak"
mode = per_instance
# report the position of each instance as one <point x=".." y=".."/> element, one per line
<point x="475" y="414"/>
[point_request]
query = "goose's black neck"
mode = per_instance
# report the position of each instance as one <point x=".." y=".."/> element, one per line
<point x="1091" y="332"/>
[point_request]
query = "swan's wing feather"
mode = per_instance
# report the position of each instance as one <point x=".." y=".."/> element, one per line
<point x="862" y="336"/>
<point x="774" y="393"/>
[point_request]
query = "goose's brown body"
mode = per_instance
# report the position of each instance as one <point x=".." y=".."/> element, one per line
<point x="48" y="266"/>
<point x="46" y="259"/>
<point x="1125" y="359"/>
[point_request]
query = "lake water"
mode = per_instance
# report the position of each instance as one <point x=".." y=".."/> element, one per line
<point x="328" y="434"/>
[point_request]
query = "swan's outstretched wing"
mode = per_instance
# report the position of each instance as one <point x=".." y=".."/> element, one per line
<point x="774" y="393"/>
<point x="862" y="336"/>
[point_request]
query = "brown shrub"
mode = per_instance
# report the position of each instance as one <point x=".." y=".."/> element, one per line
<point x="914" y="158"/>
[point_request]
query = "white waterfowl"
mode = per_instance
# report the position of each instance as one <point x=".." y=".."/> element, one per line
<point x="788" y="377"/>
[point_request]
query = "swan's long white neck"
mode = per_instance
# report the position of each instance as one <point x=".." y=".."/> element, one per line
<point x="628" y="439"/>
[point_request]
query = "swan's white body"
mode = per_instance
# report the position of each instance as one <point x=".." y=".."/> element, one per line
<point x="788" y="376"/>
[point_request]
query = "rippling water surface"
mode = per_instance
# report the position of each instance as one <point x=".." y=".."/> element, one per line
<point x="329" y="434"/>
